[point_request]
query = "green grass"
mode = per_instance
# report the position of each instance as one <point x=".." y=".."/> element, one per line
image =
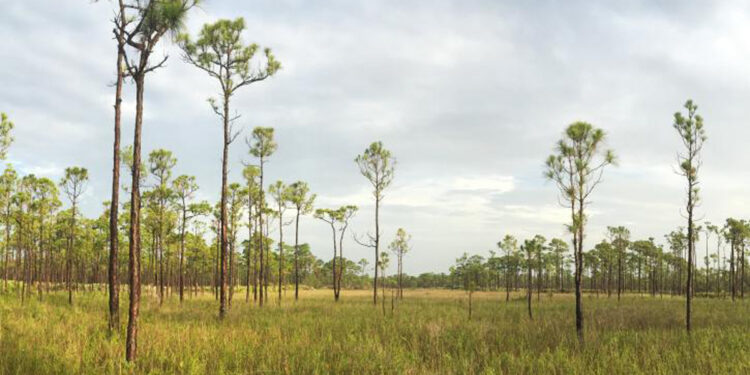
<point x="429" y="333"/>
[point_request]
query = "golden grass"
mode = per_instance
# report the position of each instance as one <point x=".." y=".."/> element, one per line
<point x="427" y="333"/>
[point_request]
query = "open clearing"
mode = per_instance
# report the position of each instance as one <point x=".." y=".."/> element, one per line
<point x="427" y="333"/>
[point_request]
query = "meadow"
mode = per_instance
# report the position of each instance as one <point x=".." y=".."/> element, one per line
<point x="429" y="332"/>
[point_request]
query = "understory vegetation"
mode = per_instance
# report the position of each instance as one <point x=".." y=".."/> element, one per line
<point x="428" y="332"/>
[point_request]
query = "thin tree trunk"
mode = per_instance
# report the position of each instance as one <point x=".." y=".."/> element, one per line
<point x="619" y="274"/>
<point x="70" y="253"/>
<point x="296" y="257"/>
<point x="334" y="269"/>
<point x="529" y="287"/>
<point x="377" y="243"/>
<point x="114" y="286"/>
<point x="732" y="278"/>
<point x="342" y="265"/>
<point x="223" y="218"/>
<point x="232" y="276"/>
<point x="7" y="243"/>
<point x="261" y="237"/>
<point x="183" y="224"/>
<point x="691" y="247"/>
<point x="579" y="268"/>
<point x="160" y="252"/>
<point x="507" y="284"/>
<point x="256" y="255"/>
<point x="134" y="261"/>
<point x="281" y="248"/>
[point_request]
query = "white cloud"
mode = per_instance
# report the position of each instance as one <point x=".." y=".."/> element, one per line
<point x="470" y="97"/>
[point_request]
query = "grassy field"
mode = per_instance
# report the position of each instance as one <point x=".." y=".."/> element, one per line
<point x="428" y="333"/>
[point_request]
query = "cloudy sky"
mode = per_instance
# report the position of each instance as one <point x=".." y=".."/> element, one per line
<point x="470" y="96"/>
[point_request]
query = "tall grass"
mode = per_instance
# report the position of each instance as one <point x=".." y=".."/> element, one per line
<point x="428" y="333"/>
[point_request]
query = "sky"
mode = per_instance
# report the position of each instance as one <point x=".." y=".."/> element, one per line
<point x="470" y="97"/>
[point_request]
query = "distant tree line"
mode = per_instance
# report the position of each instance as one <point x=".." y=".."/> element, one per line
<point x="613" y="266"/>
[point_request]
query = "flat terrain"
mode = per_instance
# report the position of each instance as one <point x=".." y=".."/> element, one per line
<point x="427" y="333"/>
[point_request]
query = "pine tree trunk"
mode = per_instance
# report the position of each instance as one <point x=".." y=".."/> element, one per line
<point x="281" y="249"/>
<point x="296" y="257"/>
<point x="114" y="285"/>
<point x="134" y="261"/>
<point x="223" y="215"/>
<point x="183" y="224"/>
<point x="377" y="243"/>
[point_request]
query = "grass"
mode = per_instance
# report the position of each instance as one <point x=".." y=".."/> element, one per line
<point x="428" y="333"/>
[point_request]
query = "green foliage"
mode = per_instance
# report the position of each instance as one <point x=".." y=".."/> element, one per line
<point x="74" y="182"/>
<point x="220" y="52"/>
<point x="280" y="193"/>
<point x="262" y="144"/>
<point x="575" y="167"/>
<point x="692" y="134"/>
<point x="377" y="165"/>
<point x="160" y="165"/>
<point x="400" y="244"/>
<point x="184" y="187"/>
<point x="158" y="17"/>
<point x="383" y="262"/>
<point x="470" y="270"/>
<point x="5" y="138"/>
<point x="736" y="231"/>
<point x="299" y="196"/>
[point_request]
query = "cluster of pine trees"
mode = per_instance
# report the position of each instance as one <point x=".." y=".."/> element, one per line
<point x="162" y="226"/>
<point x="613" y="266"/>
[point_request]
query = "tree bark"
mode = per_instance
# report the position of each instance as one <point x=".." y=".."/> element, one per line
<point x="250" y="257"/>
<point x="7" y="241"/>
<point x="296" y="257"/>
<point x="377" y="254"/>
<point x="183" y="226"/>
<point x="732" y="277"/>
<point x="114" y="286"/>
<point x="223" y="218"/>
<point x="70" y="253"/>
<point x="281" y="247"/>
<point x="691" y="250"/>
<point x="333" y="268"/>
<point x="261" y="267"/>
<point x="134" y="245"/>
<point x="529" y="286"/>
